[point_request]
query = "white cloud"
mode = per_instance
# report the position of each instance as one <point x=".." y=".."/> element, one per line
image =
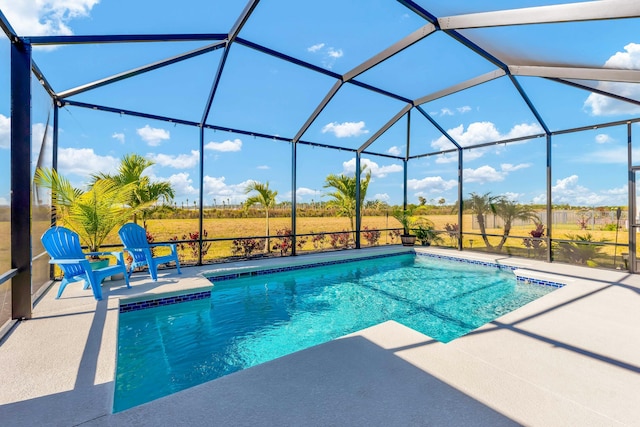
<point x="567" y="190"/>
<point x="512" y="196"/>
<point x="600" y="105"/>
<point x="304" y="194"/>
<point x="315" y="47"/>
<point x="523" y="129"/>
<point x="182" y="161"/>
<point x="383" y="197"/>
<point x="508" y="167"/>
<point x="434" y="184"/>
<point x="329" y="54"/>
<point x="603" y="138"/>
<point x="263" y="167"/>
<point x="225" y="146"/>
<point x="5" y="131"/>
<point x="45" y="17"/>
<point x="217" y="188"/>
<point x="482" y="175"/>
<point x="85" y="162"/>
<point x="479" y="133"/>
<point x="182" y="185"/>
<point x="486" y="173"/>
<point x="153" y="136"/>
<point x="349" y="168"/>
<point x="335" y="53"/>
<point x="464" y="109"/>
<point x="346" y="129"/>
<point x="303" y="191"/>
<point x="446" y="112"/>
<point x="4" y="201"/>
<point x="119" y="136"/>
<point x="394" y="151"/>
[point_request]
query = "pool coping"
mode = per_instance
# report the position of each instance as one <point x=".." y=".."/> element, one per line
<point x="537" y="356"/>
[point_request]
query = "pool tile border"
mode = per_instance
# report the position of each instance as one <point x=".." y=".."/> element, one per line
<point x="469" y="261"/>
<point x="522" y="279"/>
<point x="262" y="272"/>
<point x="176" y="299"/>
<point x="158" y="302"/>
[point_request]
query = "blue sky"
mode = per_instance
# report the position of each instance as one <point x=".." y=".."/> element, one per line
<point x="266" y="95"/>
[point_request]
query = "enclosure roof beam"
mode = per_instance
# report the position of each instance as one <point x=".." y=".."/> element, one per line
<point x="460" y="86"/>
<point x="141" y="70"/>
<point x="386" y="127"/>
<point x="437" y="125"/>
<point x="596" y="90"/>
<point x="7" y="28"/>
<point x="572" y="12"/>
<point x="123" y="38"/>
<point x="420" y="11"/>
<point x="287" y="58"/>
<point x="43" y="80"/>
<point x="215" y="84"/>
<point x="397" y="47"/>
<point x="580" y="73"/>
<point x="436" y="153"/>
<point x="320" y="70"/>
<point x="327" y="98"/>
<point x="242" y="20"/>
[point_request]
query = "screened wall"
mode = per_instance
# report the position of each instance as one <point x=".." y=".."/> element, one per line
<point x="503" y="131"/>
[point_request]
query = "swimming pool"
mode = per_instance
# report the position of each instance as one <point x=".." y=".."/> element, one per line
<point x="250" y="320"/>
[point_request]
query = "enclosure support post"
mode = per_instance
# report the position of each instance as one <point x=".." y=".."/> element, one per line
<point x="549" y="200"/>
<point x="294" y="172"/>
<point x="21" y="179"/>
<point x="201" y="217"/>
<point x="358" y="204"/>
<point x="632" y="214"/>
<point x="460" y="203"/>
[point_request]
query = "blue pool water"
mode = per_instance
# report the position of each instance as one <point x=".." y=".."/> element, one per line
<point x="252" y="320"/>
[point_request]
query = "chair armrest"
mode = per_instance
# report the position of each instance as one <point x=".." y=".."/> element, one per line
<point x="101" y="253"/>
<point x="162" y="244"/>
<point x="66" y="261"/>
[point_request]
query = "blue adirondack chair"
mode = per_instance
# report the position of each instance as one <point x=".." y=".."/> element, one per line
<point x="134" y="239"/>
<point x="63" y="246"/>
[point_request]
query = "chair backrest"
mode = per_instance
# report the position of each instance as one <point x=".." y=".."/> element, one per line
<point x="62" y="243"/>
<point x="133" y="236"/>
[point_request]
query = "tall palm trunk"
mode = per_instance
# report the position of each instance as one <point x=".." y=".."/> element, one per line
<point x="507" y="230"/>
<point x="483" y="230"/>
<point x="267" y="243"/>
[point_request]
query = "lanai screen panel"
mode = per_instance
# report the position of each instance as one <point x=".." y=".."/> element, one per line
<point x="177" y="91"/>
<point x="336" y="35"/>
<point x="41" y="156"/>
<point x="71" y="66"/>
<point x="5" y="179"/>
<point x="264" y="94"/>
<point x="352" y="117"/>
<point x="434" y="63"/>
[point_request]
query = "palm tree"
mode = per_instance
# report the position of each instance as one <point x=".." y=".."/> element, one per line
<point x="93" y="213"/>
<point x="264" y="197"/>
<point x="130" y="171"/>
<point x="510" y="211"/>
<point x="344" y="196"/>
<point x="480" y="206"/>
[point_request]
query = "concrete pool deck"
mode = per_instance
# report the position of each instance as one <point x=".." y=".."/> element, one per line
<point x="570" y="358"/>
